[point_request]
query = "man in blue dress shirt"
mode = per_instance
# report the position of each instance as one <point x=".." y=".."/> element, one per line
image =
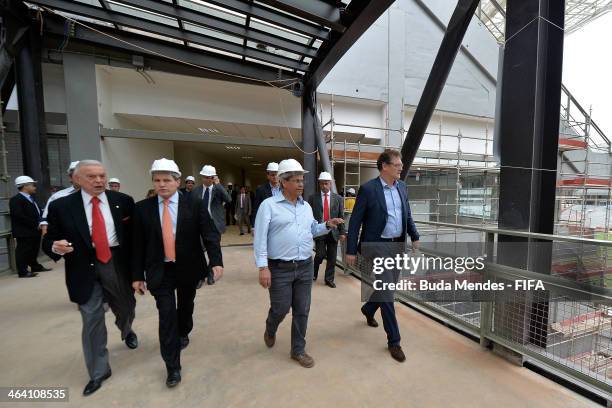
<point x="383" y="214"/>
<point x="284" y="232"/>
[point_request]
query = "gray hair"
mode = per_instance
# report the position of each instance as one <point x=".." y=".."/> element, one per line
<point x="174" y="175"/>
<point x="286" y="176"/>
<point x="86" y="163"/>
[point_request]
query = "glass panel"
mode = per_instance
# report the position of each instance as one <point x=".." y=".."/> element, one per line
<point x="267" y="63"/>
<point x="279" y="31"/>
<point x="85" y="19"/>
<point x="152" y="35"/>
<point x="95" y="3"/>
<point x="273" y="50"/>
<point x="212" y="33"/>
<point x="147" y="15"/>
<point x="230" y="54"/>
<point x="214" y="11"/>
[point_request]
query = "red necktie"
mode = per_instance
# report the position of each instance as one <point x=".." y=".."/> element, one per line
<point x="98" y="232"/>
<point x="325" y="208"/>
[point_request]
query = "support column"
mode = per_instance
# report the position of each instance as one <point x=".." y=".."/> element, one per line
<point x="529" y="134"/>
<point x="309" y="139"/>
<point x="28" y="76"/>
<point x="82" y="107"/>
<point x="396" y="80"/>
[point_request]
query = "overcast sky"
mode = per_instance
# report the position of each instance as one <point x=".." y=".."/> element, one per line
<point x="587" y="69"/>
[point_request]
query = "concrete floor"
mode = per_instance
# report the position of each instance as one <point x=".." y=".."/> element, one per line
<point x="228" y="365"/>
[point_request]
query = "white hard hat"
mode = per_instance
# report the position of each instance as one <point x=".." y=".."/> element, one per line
<point x="230" y="184"/>
<point x="190" y="178"/>
<point x="21" y="180"/>
<point x="165" y="165"/>
<point x="208" y="171"/>
<point x="288" y="165"/>
<point x="272" y="166"/>
<point x="325" y="176"/>
<point x="72" y="166"/>
<point x="114" y="180"/>
<point x="351" y="190"/>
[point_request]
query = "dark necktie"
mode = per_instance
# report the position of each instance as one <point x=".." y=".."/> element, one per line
<point x="206" y="197"/>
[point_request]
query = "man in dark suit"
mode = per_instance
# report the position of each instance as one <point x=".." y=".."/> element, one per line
<point x="266" y="190"/>
<point x="325" y="206"/>
<point x="25" y="217"/>
<point x="188" y="189"/>
<point x="230" y="209"/>
<point x="383" y="214"/>
<point x="91" y="229"/>
<point x="213" y="195"/>
<point x="243" y="210"/>
<point x="168" y="254"/>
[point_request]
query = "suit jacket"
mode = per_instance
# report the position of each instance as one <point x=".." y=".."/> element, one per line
<point x="335" y="211"/>
<point x="233" y="194"/>
<point x="219" y="196"/>
<point x="186" y="194"/>
<point x="192" y="222"/>
<point x="24" y="217"/>
<point x="246" y="209"/>
<point x="262" y="192"/>
<point x="370" y="211"/>
<point x="67" y="220"/>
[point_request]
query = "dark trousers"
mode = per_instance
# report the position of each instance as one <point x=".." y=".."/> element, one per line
<point x="387" y="310"/>
<point x="26" y="253"/>
<point x="229" y="214"/>
<point x="175" y="315"/>
<point x="326" y="248"/>
<point x="290" y="288"/>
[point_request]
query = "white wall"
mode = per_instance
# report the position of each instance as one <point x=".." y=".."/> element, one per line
<point x="130" y="161"/>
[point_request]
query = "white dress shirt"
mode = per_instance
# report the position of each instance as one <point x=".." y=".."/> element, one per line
<point x="111" y="234"/>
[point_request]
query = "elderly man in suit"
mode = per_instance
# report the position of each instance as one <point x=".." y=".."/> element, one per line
<point x="243" y="210"/>
<point x="383" y="213"/>
<point x="25" y="218"/>
<point x="168" y="255"/>
<point x="325" y="206"/>
<point x="91" y="229"/>
<point x="213" y="195"/>
<point x="270" y="188"/>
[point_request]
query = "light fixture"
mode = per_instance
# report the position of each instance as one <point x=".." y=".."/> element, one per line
<point x="247" y="157"/>
<point x="232" y="147"/>
<point x="256" y="164"/>
<point x="208" y="130"/>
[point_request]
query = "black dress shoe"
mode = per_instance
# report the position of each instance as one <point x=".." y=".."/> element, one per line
<point x="131" y="340"/>
<point x="184" y="342"/>
<point x="330" y="284"/>
<point x="370" y="319"/>
<point x="200" y="283"/>
<point x="93" y="385"/>
<point x="41" y="269"/>
<point x="314" y="278"/>
<point x="210" y="280"/>
<point x="28" y="275"/>
<point x="174" y="377"/>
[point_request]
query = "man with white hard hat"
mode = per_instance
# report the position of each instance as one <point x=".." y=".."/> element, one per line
<point x="114" y="184"/>
<point x="92" y="229"/>
<point x="59" y="194"/>
<point x="189" y="185"/>
<point x="266" y="190"/>
<point x="167" y="253"/>
<point x="213" y="196"/>
<point x="326" y="205"/>
<point x="25" y="218"/>
<point x="285" y="228"/>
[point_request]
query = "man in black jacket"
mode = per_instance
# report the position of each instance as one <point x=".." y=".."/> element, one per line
<point x="266" y="190"/>
<point x="25" y="217"/>
<point x="168" y="255"/>
<point x="91" y="229"/>
<point x="325" y="206"/>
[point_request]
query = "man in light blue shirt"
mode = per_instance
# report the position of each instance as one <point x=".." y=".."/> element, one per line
<point x="284" y="232"/>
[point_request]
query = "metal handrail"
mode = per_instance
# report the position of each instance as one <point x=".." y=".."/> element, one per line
<point x="523" y="234"/>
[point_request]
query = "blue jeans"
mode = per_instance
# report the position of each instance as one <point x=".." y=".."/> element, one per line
<point x="290" y="288"/>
